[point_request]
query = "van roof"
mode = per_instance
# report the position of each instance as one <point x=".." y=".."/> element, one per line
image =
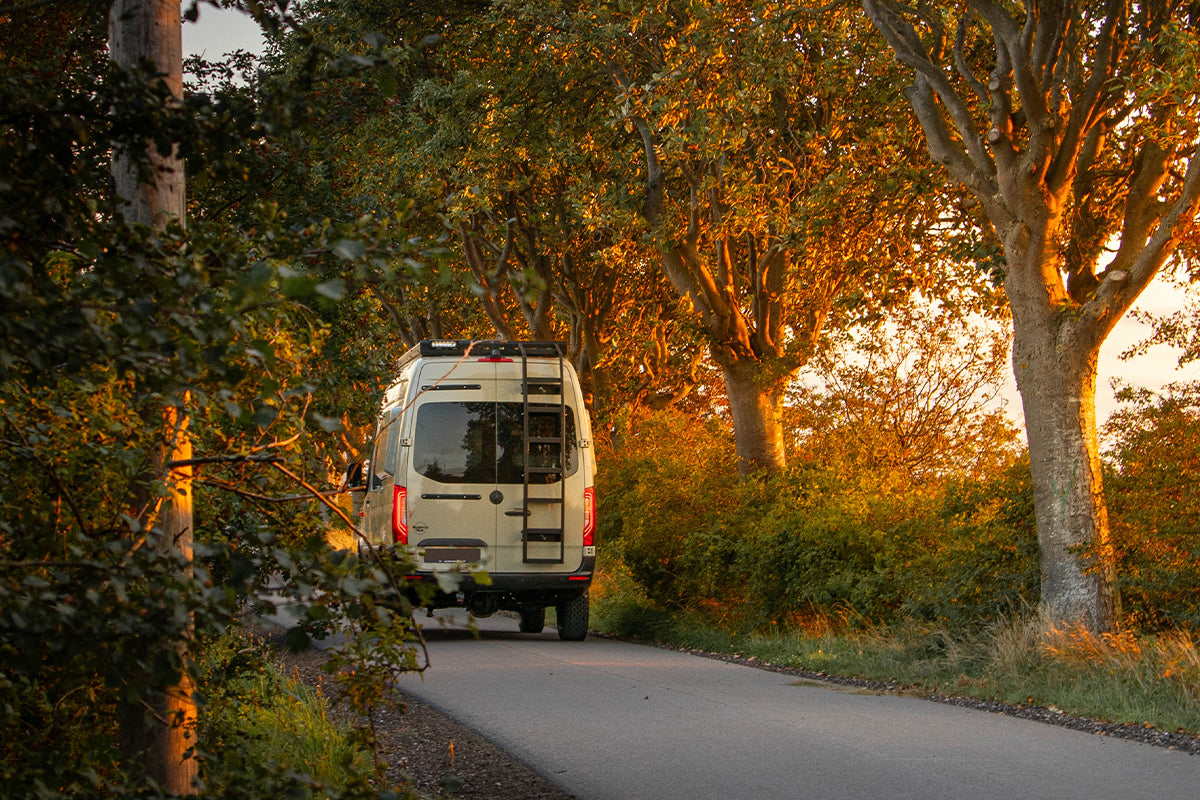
<point x="432" y="348"/>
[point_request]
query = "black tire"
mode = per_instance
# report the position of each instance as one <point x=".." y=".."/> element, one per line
<point x="573" y="618"/>
<point x="531" y="620"/>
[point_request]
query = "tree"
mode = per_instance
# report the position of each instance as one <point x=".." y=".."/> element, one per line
<point x="1153" y="455"/>
<point x="109" y="318"/>
<point x="914" y="395"/>
<point x="1073" y="128"/>
<point x="471" y="132"/>
<point x="777" y="202"/>
<point x="158" y="724"/>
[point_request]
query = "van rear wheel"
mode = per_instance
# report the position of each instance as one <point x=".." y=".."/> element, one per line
<point x="531" y="620"/>
<point x="573" y="618"/>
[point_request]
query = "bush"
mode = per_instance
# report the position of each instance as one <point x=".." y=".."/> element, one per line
<point x="259" y="728"/>
<point x="981" y="564"/>
<point x="1154" y="508"/>
<point x="664" y="488"/>
<point x="818" y="541"/>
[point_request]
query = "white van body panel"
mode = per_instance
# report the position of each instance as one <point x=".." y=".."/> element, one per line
<point x="453" y="432"/>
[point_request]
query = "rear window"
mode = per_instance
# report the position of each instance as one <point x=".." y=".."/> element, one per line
<point x="482" y="442"/>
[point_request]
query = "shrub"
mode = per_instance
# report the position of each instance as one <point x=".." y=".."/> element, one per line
<point x="817" y="541"/>
<point x="979" y="562"/>
<point x="658" y="492"/>
<point x="259" y="727"/>
<point x="1155" y="508"/>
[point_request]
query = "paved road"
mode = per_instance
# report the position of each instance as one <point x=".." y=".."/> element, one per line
<point x="614" y="721"/>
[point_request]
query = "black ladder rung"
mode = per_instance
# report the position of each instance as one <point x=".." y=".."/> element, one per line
<point x="547" y="440"/>
<point x="544" y="500"/>
<point x="543" y="534"/>
<point x="543" y="560"/>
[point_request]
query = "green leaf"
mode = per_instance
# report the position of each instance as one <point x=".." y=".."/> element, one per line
<point x="328" y="424"/>
<point x="298" y="287"/>
<point x="349" y="249"/>
<point x="298" y="639"/>
<point x="334" y="289"/>
<point x="259" y="275"/>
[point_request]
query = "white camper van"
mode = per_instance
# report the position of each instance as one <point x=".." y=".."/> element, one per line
<point x="483" y="456"/>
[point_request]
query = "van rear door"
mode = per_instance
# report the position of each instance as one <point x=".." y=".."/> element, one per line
<point x="451" y="471"/>
<point x="540" y="528"/>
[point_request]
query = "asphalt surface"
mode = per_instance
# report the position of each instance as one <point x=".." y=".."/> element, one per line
<point x="611" y="720"/>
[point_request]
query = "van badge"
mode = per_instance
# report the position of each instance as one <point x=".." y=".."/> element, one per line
<point x="496" y="497"/>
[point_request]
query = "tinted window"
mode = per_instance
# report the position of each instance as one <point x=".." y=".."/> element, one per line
<point x="483" y="443"/>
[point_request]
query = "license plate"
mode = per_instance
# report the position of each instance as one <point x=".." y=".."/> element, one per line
<point x="449" y="555"/>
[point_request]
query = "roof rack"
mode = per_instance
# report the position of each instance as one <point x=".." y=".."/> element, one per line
<point x="459" y="347"/>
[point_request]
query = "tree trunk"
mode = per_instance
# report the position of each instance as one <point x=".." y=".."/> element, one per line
<point x="1058" y="395"/>
<point x="157" y="723"/>
<point x="156" y="733"/>
<point x="141" y="30"/>
<point x="1055" y="353"/>
<point x="757" y="411"/>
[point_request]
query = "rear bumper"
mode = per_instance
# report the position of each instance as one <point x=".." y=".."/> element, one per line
<point x="519" y="581"/>
<point x="512" y="590"/>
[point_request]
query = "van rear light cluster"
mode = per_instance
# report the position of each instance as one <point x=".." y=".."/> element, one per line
<point x="400" y="515"/>
<point x="589" y="516"/>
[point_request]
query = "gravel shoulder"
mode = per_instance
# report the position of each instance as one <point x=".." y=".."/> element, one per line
<point x="428" y="750"/>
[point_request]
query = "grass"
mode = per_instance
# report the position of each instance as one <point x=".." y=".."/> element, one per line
<point x="255" y="721"/>
<point x="1123" y="678"/>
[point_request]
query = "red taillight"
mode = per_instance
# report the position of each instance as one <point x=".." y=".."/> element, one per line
<point x="400" y="515"/>
<point x="589" y="517"/>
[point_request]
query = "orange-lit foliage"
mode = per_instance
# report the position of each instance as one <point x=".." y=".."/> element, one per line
<point x="916" y="394"/>
<point x="1075" y="644"/>
<point x="817" y="543"/>
<point x="663" y="481"/>
<point x="1155" y="508"/>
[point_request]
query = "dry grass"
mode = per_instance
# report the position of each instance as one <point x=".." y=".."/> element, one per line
<point x="1121" y="677"/>
<point x="1074" y="645"/>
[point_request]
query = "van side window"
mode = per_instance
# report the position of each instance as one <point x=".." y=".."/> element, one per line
<point x="392" y="441"/>
<point x="387" y="441"/>
<point x="482" y="442"/>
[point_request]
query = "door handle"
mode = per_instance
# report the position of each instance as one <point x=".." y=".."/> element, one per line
<point x="517" y="512"/>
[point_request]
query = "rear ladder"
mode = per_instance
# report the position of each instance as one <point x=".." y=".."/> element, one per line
<point x="534" y="392"/>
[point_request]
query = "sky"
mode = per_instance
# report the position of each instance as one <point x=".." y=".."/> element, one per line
<point x="1153" y="370"/>
<point x="219" y="31"/>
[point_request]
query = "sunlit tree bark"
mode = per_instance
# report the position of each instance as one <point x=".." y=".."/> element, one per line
<point x="1070" y="125"/>
<point x="157" y="727"/>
